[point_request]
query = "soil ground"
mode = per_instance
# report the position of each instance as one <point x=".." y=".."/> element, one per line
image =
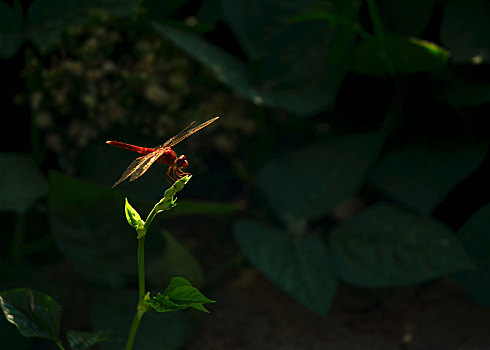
<point x="254" y="314"/>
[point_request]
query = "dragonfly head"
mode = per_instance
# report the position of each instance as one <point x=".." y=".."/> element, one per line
<point x="181" y="162"/>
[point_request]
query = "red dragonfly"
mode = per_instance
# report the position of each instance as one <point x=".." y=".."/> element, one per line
<point x="162" y="154"/>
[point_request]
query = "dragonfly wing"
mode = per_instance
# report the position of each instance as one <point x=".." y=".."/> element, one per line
<point x="186" y="133"/>
<point x="145" y="164"/>
<point x="180" y="133"/>
<point x="138" y="167"/>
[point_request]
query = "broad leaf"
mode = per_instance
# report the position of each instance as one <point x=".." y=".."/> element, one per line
<point x="228" y="69"/>
<point x="310" y="182"/>
<point x="11" y="32"/>
<point x="387" y="246"/>
<point x="179" y="294"/>
<point x="85" y="340"/>
<point x="405" y="55"/>
<point x="22" y="182"/>
<point x="115" y="311"/>
<point x="33" y="313"/>
<point x="465" y="30"/>
<point x="89" y="227"/>
<point x="176" y="260"/>
<point x="422" y="175"/>
<point x="300" y="267"/>
<point x="257" y="22"/>
<point x="475" y="235"/>
<point x="299" y="80"/>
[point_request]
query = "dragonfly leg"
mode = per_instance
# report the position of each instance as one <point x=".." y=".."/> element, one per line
<point x="168" y="177"/>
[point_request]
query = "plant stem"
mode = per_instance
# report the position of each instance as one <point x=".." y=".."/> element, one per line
<point x="60" y="346"/>
<point x="141" y="267"/>
<point x="140" y="310"/>
<point x="134" y="329"/>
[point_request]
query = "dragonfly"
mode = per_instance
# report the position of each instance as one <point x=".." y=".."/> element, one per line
<point x="162" y="154"/>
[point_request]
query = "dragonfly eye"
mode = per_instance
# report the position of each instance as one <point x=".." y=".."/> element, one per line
<point x="181" y="162"/>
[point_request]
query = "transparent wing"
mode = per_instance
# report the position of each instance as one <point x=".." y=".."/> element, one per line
<point x="186" y="133"/>
<point x="139" y="166"/>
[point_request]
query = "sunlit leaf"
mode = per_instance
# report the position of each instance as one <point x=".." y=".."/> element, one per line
<point x="422" y="175"/>
<point x="22" y="182"/>
<point x="33" y="313"/>
<point x="475" y="235"/>
<point x="406" y="55"/>
<point x="311" y="181"/>
<point x="179" y="295"/>
<point x="301" y="266"/>
<point x="387" y="246"/>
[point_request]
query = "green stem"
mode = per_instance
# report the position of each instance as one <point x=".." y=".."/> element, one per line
<point x="18" y="239"/>
<point x="134" y="329"/>
<point x="60" y="346"/>
<point x="141" y="267"/>
<point x="140" y="310"/>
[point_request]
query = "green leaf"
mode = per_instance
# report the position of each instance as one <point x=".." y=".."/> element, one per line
<point x="178" y="295"/>
<point x="422" y="175"/>
<point x="465" y="30"/>
<point x="11" y="34"/>
<point x="228" y="69"/>
<point x="23" y="182"/>
<point x="311" y="181"/>
<point x="407" y="17"/>
<point x="300" y="267"/>
<point x="302" y="81"/>
<point x="406" y="55"/>
<point x="33" y="313"/>
<point x="89" y="229"/>
<point x="387" y="246"/>
<point x="133" y="217"/>
<point x="85" y="340"/>
<point x="475" y="235"/>
<point x="175" y="260"/>
<point x="256" y="22"/>
<point x="115" y="311"/>
<point x="11" y="338"/>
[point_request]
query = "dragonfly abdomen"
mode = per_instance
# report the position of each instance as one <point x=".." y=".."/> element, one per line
<point x="140" y="150"/>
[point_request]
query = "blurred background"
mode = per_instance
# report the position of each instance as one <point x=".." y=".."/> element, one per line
<point x="341" y="201"/>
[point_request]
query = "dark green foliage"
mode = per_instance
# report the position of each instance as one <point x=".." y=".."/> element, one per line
<point x="387" y="246"/>
<point x="429" y="171"/>
<point x="475" y="235"/>
<point x="300" y="266"/>
<point x="308" y="183"/>
<point x="23" y="183"/>
<point x="85" y="340"/>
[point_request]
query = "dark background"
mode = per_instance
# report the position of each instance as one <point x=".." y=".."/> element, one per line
<point x="340" y="201"/>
